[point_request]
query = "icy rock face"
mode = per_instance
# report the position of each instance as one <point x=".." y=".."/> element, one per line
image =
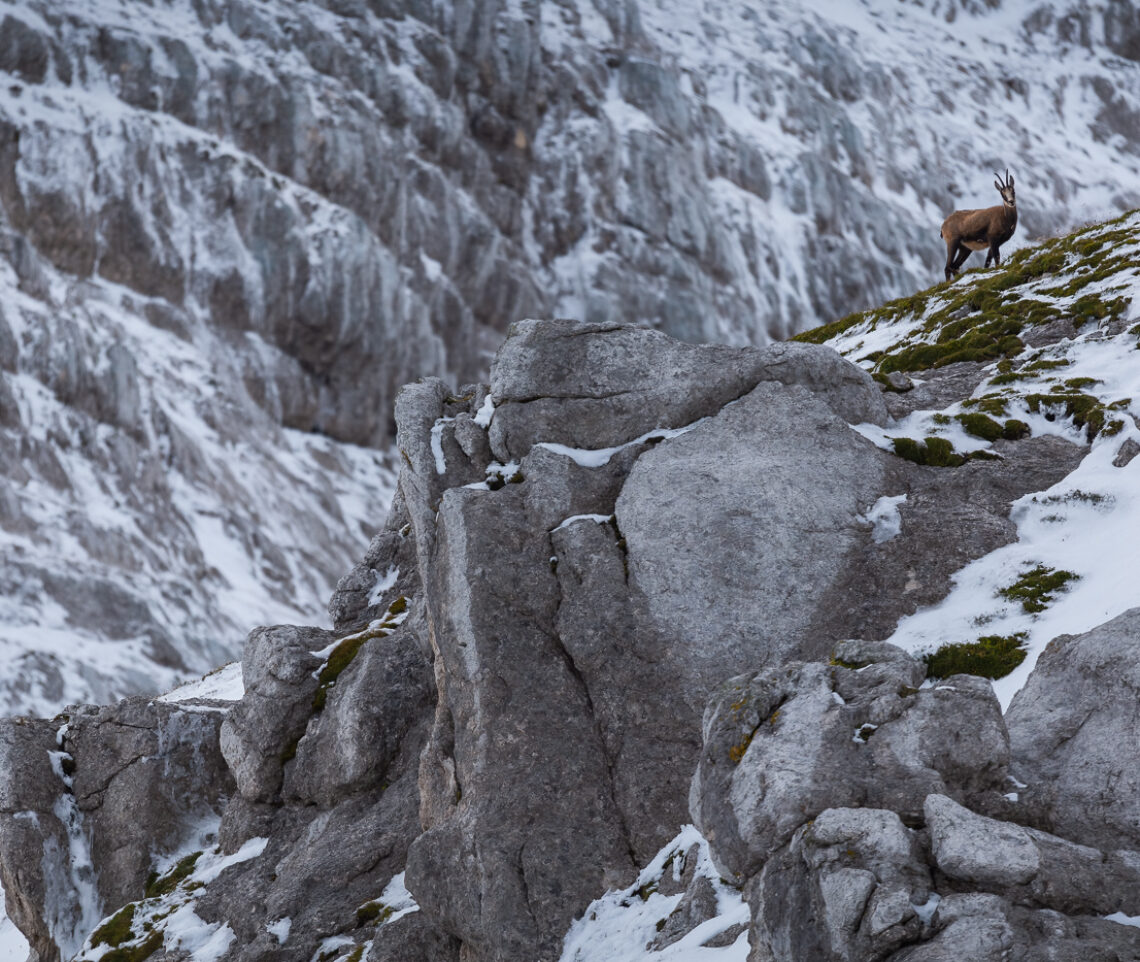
<point x="91" y="800"/>
<point x="834" y="813"/>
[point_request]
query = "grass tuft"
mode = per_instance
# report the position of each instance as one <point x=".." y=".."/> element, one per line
<point x="991" y="656"/>
<point x="1036" y="588"/>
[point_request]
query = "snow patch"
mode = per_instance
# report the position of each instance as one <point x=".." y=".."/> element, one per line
<point x="485" y="413"/>
<point x="618" y="926"/>
<point x="884" y="518"/>
<point x="205" y="941"/>
<point x="280" y="929"/>
<point x="437" y="444"/>
<point x="597" y="518"/>
<point x="1122" y="919"/>
<point x="597" y="457"/>
<point x="222" y="684"/>
<point x="383" y="584"/>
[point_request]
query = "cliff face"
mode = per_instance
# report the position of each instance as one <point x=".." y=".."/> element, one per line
<point x="232" y="230"/>
<point x="617" y="592"/>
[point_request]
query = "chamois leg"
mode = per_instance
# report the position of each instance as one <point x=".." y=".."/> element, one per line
<point x="993" y="255"/>
<point x="951" y="250"/>
<point x="963" y="253"/>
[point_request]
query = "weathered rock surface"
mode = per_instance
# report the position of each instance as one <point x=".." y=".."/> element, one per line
<point x="507" y="717"/>
<point x="90" y="800"/>
<point x="1073" y="736"/>
<point x="908" y="873"/>
<point x="838" y="737"/>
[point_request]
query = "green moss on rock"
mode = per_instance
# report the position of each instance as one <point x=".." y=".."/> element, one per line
<point x="980" y="426"/>
<point x="117" y="929"/>
<point x="1015" y="430"/>
<point x="158" y="886"/>
<point x="933" y="451"/>
<point x="374" y="913"/>
<point x="991" y="656"/>
<point x="135" y="953"/>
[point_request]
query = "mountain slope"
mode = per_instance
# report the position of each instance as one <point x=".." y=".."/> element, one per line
<point x="545" y="651"/>
<point x="231" y="230"/>
<point x="1049" y="342"/>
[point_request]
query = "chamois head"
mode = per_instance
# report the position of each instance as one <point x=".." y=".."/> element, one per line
<point x="1006" y="189"/>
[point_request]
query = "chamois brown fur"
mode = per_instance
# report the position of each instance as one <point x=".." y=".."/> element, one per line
<point x="966" y="231"/>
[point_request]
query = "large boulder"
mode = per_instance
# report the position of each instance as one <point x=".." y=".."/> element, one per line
<point x="1072" y="732"/>
<point x="784" y="744"/>
<point x="549" y="376"/>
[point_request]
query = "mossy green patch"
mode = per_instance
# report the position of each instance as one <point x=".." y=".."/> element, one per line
<point x="901" y="307"/>
<point x="340" y="658"/>
<point x="992" y="404"/>
<point x="934" y="451"/>
<point x="646" y="890"/>
<point x="991" y="338"/>
<point x="1084" y="409"/>
<point x="1015" y="430"/>
<point x="344" y="653"/>
<point x="991" y="656"/>
<point x="158" y="886"/>
<point x="1029" y="370"/>
<point x="980" y="426"/>
<point x="1035" y="589"/>
<point x="117" y="929"/>
<point x="374" y="913"/>
<point x="135" y="953"/>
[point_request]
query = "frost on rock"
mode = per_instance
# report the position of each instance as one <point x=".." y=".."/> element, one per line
<point x="623" y="926"/>
<point x="169" y="921"/>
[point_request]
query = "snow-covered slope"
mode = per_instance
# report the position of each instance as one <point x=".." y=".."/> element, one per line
<point x="150" y="512"/>
<point x="1057" y="330"/>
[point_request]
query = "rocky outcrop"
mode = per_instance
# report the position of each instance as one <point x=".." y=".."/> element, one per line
<point x="1070" y="728"/>
<point x="91" y="800"/>
<point x="833" y="810"/>
<point x="506" y="719"/>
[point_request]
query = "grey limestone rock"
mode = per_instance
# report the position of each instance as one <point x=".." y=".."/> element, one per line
<point x="534" y="827"/>
<point x="1029" y="866"/>
<point x="91" y="800"/>
<point x="262" y="731"/>
<point x="839" y="737"/>
<point x="549" y="377"/>
<point x="846" y="887"/>
<point x="349" y="746"/>
<point x="784" y="513"/>
<point x="1072" y="736"/>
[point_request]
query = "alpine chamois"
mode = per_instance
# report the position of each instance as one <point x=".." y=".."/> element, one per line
<point x="966" y="231"/>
